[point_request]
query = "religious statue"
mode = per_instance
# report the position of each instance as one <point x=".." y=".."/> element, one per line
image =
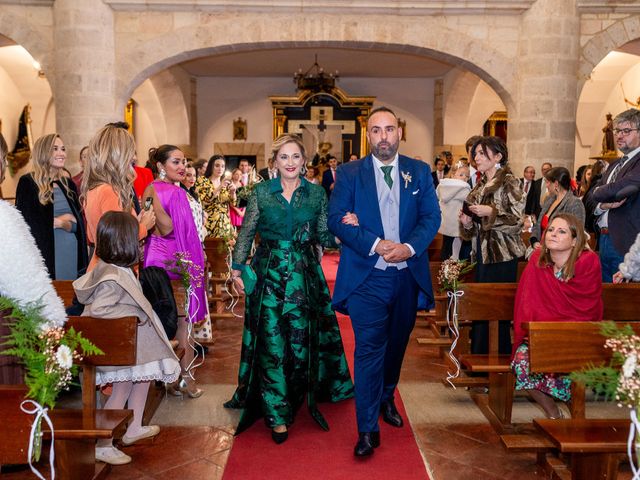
<point x="320" y="158"/>
<point x="608" y="144"/>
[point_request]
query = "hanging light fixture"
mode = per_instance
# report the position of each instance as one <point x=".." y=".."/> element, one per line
<point x="315" y="79"/>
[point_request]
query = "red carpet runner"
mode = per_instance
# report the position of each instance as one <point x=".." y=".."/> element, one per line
<point x="311" y="453"/>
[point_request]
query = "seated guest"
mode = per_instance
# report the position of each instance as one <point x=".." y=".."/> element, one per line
<point x="630" y="268"/>
<point x="23" y="276"/>
<point x="560" y="199"/>
<point x="561" y="282"/>
<point x="112" y="290"/>
<point x="49" y="203"/>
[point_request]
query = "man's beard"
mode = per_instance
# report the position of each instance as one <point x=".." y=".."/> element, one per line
<point x="387" y="153"/>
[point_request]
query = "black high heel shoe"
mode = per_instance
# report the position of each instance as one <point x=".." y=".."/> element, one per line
<point x="279" y="437"/>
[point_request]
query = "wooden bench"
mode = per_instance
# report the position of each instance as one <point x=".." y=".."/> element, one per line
<point x="76" y="430"/>
<point x="216" y="275"/>
<point x="594" y="447"/>
<point x="493" y="302"/>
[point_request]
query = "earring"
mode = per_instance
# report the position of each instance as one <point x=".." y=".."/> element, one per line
<point x="163" y="174"/>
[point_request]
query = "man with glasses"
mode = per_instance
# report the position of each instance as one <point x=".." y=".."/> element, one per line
<point x="616" y="199"/>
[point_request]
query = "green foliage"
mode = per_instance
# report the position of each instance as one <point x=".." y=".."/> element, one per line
<point x="609" y="380"/>
<point x="42" y="349"/>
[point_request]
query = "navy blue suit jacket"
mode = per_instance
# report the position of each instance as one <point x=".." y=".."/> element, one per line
<point x="624" y="221"/>
<point x="327" y="181"/>
<point x="355" y="191"/>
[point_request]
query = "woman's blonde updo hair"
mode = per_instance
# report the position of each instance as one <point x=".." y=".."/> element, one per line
<point x="111" y="152"/>
<point x="282" y="140"/>
<point x="43" y="174"/>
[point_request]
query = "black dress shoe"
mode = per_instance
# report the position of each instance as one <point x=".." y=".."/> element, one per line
<point x="390" y="414"/>
<point x="279" y="437"/>
<point x="365" y="444"/>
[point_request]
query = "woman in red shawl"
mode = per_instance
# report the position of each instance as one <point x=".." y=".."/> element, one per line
<point x="562" y="282"/>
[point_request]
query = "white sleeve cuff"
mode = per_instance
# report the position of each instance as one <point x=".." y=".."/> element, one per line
<point x="373" y="247"/>
<point x="413" y="252"/>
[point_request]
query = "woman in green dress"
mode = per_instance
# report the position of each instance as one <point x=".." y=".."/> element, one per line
<point x="291" y="346"/>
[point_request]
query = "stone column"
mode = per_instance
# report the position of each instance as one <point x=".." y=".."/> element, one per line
<point x="542" y="120"/>
<point x="83" y="80"/>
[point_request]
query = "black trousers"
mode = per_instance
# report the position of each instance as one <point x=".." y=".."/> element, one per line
<point x="503" y="272"/>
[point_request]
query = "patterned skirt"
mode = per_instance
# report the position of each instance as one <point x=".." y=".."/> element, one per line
<point x="291" y="346"/>
<point x="558" y="386"/>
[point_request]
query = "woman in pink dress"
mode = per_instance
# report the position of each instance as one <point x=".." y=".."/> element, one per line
<point x="175" y="231"/>
<point x="236" y="213"/>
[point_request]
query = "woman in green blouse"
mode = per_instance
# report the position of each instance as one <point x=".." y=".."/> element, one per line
<point x="291" y="345"/>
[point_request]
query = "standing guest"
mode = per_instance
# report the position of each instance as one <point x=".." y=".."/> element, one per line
<point x="439" y="174"/>
<point x="245" y="172"/>
<point x="497" y="205"/>
<point x="590" y="224"/>
<point x="236" y="213"/>
<point x="616" y="195"/>
<point x="23" y="277"/>
<point x="630" y="268"/>
<point x="201" y="166"/>
<point x="111" y="290"/>
<point x="291" y="346"/>
<point x="540" y="189"/>
<point x="329" y="175"/>
<point x="144" y="176"/>
<point x="560" y="283"/>
<point x="188" y="184"/>
<point x="108" y="181"/>
<point x="529" y="190"/>
<point x="77" y="179"/>
<point x="474" y="174"/>
<point x="452" y="191"/>
<point x="49" y="203"/>
<point x="559" y="200"/>
<point x="175" y="231"/>
<point x="312" y="174"/>
<point x="584" y="181"/>
<point x="216" y="195"/>
<point x="383" y="265"/>
<point x="269" y="172"/>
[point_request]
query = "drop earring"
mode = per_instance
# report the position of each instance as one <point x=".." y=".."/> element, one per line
<point x="163" y="174"/>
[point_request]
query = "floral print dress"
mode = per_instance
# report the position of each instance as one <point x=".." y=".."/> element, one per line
<point x="291" y="345"/>
<point x="215" y="203"/>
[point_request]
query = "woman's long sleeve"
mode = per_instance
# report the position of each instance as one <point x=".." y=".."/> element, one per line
<point x="247" y="232"/>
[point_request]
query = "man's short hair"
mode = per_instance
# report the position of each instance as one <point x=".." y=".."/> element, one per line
<point x="632" y="116"/>
<point x="382" y="109"/>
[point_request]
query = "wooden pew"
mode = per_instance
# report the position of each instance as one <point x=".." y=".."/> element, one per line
<point x="216" y="274"/>
<point x="494" y="302"/>
<point x="76" y="430"/>
<point x="593" y="446"/>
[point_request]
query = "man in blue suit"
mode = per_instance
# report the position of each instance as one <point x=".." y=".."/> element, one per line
<point x="383" y="264"/>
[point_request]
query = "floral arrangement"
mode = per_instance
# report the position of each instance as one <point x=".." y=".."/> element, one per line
<point x="449" y="276"/>
<point x="190" y="274"/>
<point x="48" y="354"/>
<point x="450" y="273"/>
<point x="620" y="380"/>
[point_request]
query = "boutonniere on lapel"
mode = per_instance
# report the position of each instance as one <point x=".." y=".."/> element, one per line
<point x="406" y="176"/>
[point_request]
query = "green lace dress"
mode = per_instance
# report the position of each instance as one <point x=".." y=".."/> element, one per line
<point x="291" y="344"/>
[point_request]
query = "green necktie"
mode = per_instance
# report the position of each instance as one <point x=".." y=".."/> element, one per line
<point x="387" y="174"/>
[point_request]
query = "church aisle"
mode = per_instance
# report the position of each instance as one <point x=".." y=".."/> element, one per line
<point x="454" y="439"/>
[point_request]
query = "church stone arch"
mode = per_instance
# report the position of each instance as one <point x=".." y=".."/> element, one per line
<point x="36" y="39"/>
<point x="609" y="39"/>
<point x="424" y="36"/>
